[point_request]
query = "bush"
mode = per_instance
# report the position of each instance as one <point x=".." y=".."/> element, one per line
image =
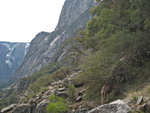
<point x="39" y="84"/>
<point x="71" y="93"/>
<point x="57" y="105"/>
<point x="96" y="71"/>
<point x="61" y="73"/>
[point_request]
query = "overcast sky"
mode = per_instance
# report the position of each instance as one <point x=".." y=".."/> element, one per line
<point x="21" y="20"/>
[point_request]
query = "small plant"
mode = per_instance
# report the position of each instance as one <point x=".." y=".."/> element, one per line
<point x="57" y="105"/>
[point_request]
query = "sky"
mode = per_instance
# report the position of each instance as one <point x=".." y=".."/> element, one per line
<point x="21" y="20"/>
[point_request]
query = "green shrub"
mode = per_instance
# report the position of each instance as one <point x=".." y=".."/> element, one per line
<point x="57" y="105"/>
<point x="118" y="36"/>
<point x="71" y="93"/>
<point x="96" y="71"/>
<point x="40" y="84"/>
<point x="61" y="73"/>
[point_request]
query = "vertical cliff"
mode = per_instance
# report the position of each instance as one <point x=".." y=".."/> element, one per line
<point x="74" y="15"/>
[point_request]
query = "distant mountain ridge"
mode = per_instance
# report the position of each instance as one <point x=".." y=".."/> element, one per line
<point x="11" y="56"/>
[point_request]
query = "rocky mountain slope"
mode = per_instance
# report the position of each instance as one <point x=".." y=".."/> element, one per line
<point x="74" y="15"/>
<point x="38" y="103"/>
<point x="112" y="57"/>
<point x="11" y="56"/>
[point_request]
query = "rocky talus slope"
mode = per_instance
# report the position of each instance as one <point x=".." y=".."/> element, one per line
<point x="38" y="103"/>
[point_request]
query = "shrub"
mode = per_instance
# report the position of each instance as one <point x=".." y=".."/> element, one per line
<point x="57" y="105"/>
<point x="61" y="73"/>
<point x="71" y="93"/>
<point x="96" y="71"/>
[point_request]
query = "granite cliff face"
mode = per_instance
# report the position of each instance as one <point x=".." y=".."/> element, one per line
<point x="72" y="10"/>
<point x="74" y="15"/>
<point x="11" y="56"/>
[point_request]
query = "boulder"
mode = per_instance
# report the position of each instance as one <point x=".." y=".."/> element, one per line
<point x="61" y="94"/>
<point x="118" y="106"/>
<point x="142" y="108"/>
<point x="79" y="99"/>
<point x="41" y="107"/>
<point x="8" y="109"/>
<point x="139" y="100"/>
<point x="62" y="89"/>
<point x="80" y="93"/>
<point x="22" y="108"/>
<point x="81" y="110"/>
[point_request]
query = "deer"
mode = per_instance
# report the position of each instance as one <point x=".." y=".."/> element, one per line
<point x="106" y="89"/>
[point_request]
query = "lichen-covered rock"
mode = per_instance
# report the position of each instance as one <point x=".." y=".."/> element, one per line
<point x="118" y="106"/>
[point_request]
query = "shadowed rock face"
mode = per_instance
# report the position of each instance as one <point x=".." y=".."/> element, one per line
<point x="74" y="15"/>
<point x="11" y="56"/>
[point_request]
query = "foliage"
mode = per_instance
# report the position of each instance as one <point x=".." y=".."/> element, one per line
<point x="57" y="105"/>
<point x="118" y="35"/>
<point x="71" y="93"/>
<point x="61" y="73"/>
<point x="96" y="71"/>
<point x="7" y="101"/>
<point x="127" y="16"/>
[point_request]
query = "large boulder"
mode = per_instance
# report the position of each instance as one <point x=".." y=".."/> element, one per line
<point x="118" y="106"/>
